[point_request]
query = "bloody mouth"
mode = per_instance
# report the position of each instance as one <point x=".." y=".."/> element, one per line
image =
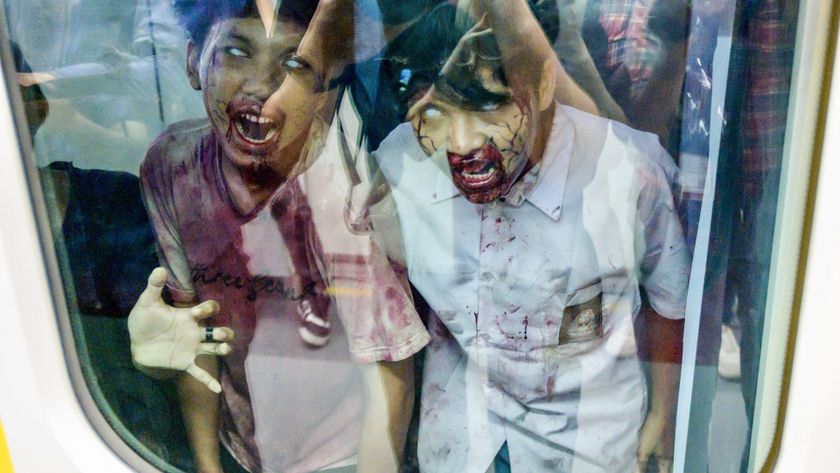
<point x="478" y="171"/>
<point x="253" y="131"/>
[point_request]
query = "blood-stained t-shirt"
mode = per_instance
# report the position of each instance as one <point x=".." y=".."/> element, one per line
<point x="286" y="406"/>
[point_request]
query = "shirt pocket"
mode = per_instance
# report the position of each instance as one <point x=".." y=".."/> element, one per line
<point x="577" y="317"/>
<point x="583" y="319"/>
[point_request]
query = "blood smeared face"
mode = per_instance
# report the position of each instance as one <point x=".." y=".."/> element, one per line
<point x="486" y="150"/>
<point x="471" y="113"/>
<point x="260" y="111"/>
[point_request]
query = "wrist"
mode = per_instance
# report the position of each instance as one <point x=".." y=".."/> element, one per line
<point x="661" y="410"/>
<point x="208" y="465"/>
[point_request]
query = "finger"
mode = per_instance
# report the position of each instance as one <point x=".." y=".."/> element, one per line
<point x="223" y="334"/>
<point x="216" y="334"/>
<point x="154" y="288"/>
<point x="204" y="310"/>
<point x="204" y="378"/>
<point x="219" y="349"/>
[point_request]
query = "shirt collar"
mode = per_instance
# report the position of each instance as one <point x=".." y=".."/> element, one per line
<point x="520" y="190"/>
<point x="547" y="192"/>
<point x="544" y="185"/>
<point x="444" y="188"/>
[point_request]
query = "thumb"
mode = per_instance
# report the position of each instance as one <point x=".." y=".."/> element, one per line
<point x="154" y="288"/>
<point x="204" y="377"/>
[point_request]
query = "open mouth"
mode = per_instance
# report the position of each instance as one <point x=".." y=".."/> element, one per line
<point x="255" y="129"/>
<point x="479" y="173"/>
<point x="255" y="132"/>
<point x="478" y="170"/>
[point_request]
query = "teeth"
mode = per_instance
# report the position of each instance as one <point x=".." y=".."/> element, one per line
<point x="479" y="178"/>
<point x="482" y="175"/>
<point x="256" y="119"/>
<point x="244" y="135"/>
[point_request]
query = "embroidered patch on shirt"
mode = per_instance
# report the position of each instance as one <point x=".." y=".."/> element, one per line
<point x="582" y="322"/>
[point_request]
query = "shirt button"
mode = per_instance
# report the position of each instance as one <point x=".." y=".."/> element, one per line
<point x="486" y="276"/>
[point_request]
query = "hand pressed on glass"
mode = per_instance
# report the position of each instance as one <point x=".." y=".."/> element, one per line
<point x="170" y="338"/>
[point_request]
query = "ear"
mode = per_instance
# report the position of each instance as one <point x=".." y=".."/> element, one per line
<point x="547" y="85"/>
<point x="193" y="56"/>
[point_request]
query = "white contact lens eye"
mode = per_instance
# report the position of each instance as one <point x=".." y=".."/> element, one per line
<point x="236" y="52"/>
<point x="431" y="113"/>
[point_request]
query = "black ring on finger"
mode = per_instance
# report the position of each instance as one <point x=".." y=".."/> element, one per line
<point x="208" y="334"/>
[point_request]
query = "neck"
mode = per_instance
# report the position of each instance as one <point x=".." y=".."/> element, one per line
<point x="251" y="187"/>
<point x="546" y="121"/>
<point x="247" y="193"/>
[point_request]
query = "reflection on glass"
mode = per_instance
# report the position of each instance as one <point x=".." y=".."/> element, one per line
<point x="414" y="236"/>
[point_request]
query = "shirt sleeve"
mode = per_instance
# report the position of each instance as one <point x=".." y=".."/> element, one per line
<point x="375" y="304"/>
<point x="155" y="182"/>
<point x="370" y="292"/>
<point x="665" y="265"/>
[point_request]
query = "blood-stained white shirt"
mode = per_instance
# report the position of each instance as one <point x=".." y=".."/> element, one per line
<point x="536" y="295"/>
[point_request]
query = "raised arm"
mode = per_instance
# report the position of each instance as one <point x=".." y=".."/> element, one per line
<point x="527" y="53"/>
<point x="574" y="55"/>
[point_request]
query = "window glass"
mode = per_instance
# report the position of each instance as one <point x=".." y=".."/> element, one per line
<point x="438" y="235"/>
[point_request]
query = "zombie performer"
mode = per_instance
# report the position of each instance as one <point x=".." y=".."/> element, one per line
<point x="531" y="229"/>
<point x="235" y="230"/>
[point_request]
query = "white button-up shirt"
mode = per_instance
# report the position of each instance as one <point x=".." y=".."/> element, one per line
<point x="535" y="297"/>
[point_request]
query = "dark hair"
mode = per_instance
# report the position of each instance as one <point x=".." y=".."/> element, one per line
<point x="548" y="15"/>
<point x="412" y="61"/>
<point x="434" y="46"/>
<point x="407" y="67"/>
<point x="416" y="57"/>
<point x="474" y="77"/>
<point x="198" y="16"/>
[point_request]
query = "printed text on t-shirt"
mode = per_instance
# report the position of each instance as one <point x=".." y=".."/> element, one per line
<point x="251" y="285"/>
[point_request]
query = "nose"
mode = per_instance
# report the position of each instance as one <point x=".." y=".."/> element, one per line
<point x="464" y="136"/>
<point x="263" y="83"/>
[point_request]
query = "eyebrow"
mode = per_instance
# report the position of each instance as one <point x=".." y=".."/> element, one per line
<point x="241" y="38"/>
<point x="469" y="95"/>
<point x="292" y="47"/>
<point x="424" y="101"/>
<point x="285" y="49"/>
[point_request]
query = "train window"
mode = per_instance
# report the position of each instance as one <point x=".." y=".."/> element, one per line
<point x="236" y="194"/>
